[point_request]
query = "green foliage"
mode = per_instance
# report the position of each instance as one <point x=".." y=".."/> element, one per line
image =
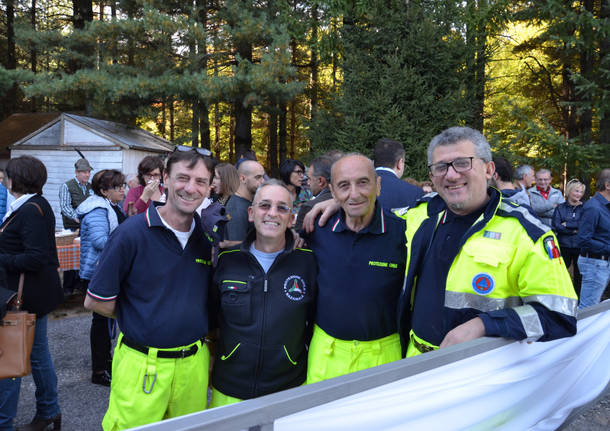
<point x="404" y="78"/>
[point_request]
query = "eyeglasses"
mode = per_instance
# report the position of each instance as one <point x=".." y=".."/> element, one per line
<point x="461" y="164"/>
<point x="202" y="151"/>
<point x="298" y="172"/>
<point x="574" y="180"/>
<point x="121" y="187"/>
<point x="157" y="176"/>
<point x="266" y="206"/>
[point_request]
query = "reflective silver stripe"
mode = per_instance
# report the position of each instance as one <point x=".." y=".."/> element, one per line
<point x="530" y="321"/>
<point x="557" y="303"/>
<point x="460" y="300"/>
<point x="526" y="215"/>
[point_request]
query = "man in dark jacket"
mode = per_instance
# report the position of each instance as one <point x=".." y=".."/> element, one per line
<point x="389" y="166"/>
<point x="319" y="178"/>
<point x="594" y="241"/>
<point x="266" y="293"/>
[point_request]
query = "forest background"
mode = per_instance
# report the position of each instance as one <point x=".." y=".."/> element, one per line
<point x="293" y="79"/>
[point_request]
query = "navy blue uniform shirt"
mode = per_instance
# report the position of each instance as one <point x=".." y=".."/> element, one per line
<point x="161" y="289"/>
<point x="360" y="276"/>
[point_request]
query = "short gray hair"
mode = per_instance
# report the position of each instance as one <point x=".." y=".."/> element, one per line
<point x="544" y="171"/>
<point x="454" y="135"/>
<point x="522" y="170"/>
<point x="321" y="166"/>
<point x="271" y="182"/>
<point x="602" y="179"/>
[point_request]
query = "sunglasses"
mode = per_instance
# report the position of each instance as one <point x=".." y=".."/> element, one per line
<point x="266" y="206"/>
<point x="203" y="151"/>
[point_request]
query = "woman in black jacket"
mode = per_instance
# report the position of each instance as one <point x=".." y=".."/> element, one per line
<point x="565" y="223"/>
<point x="27" y="245"/>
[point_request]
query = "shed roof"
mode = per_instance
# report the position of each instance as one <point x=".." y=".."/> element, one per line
<point x="18" y="126"/>
<point x="120" y="134"/>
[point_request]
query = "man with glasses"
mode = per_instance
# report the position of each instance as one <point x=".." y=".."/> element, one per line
<point x="361" y="256"/>
<point x="544" y="198"/>
<point x="266" y="291"/>
<point x="478" y="265"/>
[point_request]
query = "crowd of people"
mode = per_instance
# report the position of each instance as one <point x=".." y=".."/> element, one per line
<point x="219" y="276"/>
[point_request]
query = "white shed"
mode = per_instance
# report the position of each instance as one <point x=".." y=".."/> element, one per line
<point x="106" y="145"/>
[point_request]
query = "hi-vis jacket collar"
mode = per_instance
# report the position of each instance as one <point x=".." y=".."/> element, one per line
<point x="436" y="204"/>
<point x="376" y="226"/>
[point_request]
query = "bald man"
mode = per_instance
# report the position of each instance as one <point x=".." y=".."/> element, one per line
<point x="361" y="257"/>
<point x="251" y="175"/>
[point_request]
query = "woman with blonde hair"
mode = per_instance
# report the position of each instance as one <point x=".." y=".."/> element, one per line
<point x="565" y="223"/>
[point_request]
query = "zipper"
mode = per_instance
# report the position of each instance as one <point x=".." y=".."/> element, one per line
<point x="262" y="330"/>
<point x="261" y="335"/>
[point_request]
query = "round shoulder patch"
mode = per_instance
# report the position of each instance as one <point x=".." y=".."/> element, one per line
<point x="483" y="283"/>
<point x="295" y="288"/>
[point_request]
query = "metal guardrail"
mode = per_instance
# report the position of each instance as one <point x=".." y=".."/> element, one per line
<point x="260" y="413"/>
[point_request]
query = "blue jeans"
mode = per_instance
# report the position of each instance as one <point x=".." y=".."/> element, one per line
<point x="595" y="275"/>
<point x="45" y="379"/>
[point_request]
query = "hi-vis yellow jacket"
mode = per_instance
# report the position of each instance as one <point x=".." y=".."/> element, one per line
<point x="508" y="271"/>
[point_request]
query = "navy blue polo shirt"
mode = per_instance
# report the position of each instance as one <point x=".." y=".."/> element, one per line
<point x="360" y="276"/>
<point x="161" y="290"/>
<point x="431" y="320"/>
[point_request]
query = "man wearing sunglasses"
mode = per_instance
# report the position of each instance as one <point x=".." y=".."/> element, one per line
<point x="266" y="291"/>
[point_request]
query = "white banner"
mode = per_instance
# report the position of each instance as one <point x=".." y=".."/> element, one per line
<point x="516" y="387"/>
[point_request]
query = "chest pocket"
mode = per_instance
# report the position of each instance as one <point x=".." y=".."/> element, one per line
<point x="489" y="252"/>
<point x="236" y="301"/>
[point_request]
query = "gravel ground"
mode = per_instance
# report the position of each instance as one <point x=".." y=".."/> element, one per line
<point x="83" y="404"/>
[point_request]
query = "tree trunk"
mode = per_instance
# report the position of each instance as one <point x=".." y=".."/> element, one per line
<point x="171" y="120"/>
<point x="217" y="120"/>
<point x="33" y="54"/>
<point x="293" y="128"/>
<point x="604" y="53"/>
<point x="282" y="131"/>
<point x="204" y="113"/>
<point x="314" y="61"/>
<point x="243" y="114"/>
<point x="272" y="148"/>
<point x="479" y="66"/>
<point x="232" y="157"/>
<point x="9" y="101"/>
<point x="586" y="70"/>
<point x="195" y="124"/>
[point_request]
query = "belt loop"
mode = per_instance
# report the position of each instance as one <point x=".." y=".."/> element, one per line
<point x="330" y="348"/>
<point x="151" y="369"/>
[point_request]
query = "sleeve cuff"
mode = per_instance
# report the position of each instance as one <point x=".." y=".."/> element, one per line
<point x="100" y="297"/>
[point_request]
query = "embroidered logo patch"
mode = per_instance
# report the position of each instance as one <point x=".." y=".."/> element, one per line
<point x="551" y="248"/>
<point x="483" y="283"/>
<point x="492" y="235"/>
<point x="295" y="288"/>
